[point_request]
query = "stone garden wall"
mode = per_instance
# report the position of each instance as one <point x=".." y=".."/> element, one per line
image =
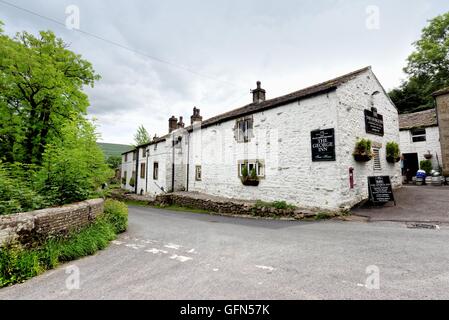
<point x="228" y="207"/>
<point x="35" y="225"/>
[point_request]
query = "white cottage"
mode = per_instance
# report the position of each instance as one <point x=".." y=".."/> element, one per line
<point x="298" y="145"/>
<point x="420" y="139"/>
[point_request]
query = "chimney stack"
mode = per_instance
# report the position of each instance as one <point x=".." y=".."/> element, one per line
<point x="258" y="94"/>
<point x="180" y="123"/>
<point x="196" y="116"/>
<point x="172" y="124"/>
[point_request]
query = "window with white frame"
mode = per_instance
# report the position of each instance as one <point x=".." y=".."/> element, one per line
<point x="418" y="135"/>
<point x="198" y="173"/>
<point x="244" y="128"/>
<point x="251" y="165"/>
<point x="376" y="158"/>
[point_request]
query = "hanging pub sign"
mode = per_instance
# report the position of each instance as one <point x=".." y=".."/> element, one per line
<point x="323" y="145"/>
<point x="374" y="122"/>
<point x="380" y="190"/>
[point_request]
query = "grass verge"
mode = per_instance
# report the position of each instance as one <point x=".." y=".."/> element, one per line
<point x="18" y="264"/>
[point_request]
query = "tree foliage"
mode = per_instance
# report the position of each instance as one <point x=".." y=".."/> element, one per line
<point x="48" y="149"/>
<point x="141" y="136"/>
<point x="427" y="68"/>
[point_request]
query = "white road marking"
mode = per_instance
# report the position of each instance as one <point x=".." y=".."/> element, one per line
<point x="215" y="270"/>
<point x="118" y="243"/>
<point x="180" y="258"/>
<point x="156" y="251"/>
<point x="135" y="246"/>
<point x="191" y="251"/>
<point x="266" y="268"/>
<point x="172" y="246"/>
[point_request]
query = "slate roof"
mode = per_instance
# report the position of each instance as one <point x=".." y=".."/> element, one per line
<point x="441" y="92"/>
<point x="251" y="108"/>
<point x="427" y="118"/>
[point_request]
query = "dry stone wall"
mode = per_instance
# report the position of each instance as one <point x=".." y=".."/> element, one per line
<point x="41" y="224"/>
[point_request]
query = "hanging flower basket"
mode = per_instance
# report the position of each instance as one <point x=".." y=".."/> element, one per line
<point x="392" y="159"/>
<point x="428" y="156"/>
<point x="247" y="181"/>
<point x="362" y="157"/>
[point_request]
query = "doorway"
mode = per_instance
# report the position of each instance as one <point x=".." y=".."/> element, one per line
<point x="411" y="165"/>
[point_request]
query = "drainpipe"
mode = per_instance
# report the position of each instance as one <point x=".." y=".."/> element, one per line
<point x="136" y="178"/>
<point x="146" y="169"/>
<point x="188" y="160"/>
<point x="173" y="165"/>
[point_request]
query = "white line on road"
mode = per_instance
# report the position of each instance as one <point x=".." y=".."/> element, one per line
<point x="172" y="246"/>
<point x="180" y="258"/>
<point x="266" y="268"/>
<point x="156" y="251"/>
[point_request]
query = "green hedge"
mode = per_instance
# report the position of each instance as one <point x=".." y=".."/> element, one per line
<point x="18" y="264"/>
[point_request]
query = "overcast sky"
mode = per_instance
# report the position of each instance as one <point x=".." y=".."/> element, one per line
<point x="228" y="46"/>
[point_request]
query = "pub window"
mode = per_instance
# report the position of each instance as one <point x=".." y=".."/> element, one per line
<point x="155" y="171"/>
<point x="126" y="157"/>
<point x="142" y="170"/>
<point x="376" y="157"/>
<point x="244" y="129"/>
<point x="250" y="165"/>
<point x="418" y="135"/>
<point x="155" y="147"/>
<point x="144" y="153"/>
<point x="125" y="177"/>
<point x="198" y="173"/>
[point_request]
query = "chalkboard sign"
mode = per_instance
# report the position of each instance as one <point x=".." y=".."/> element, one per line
<point x="374" y="122"/>
<point x="323" y="145"/>
<point x="380" y="190"/>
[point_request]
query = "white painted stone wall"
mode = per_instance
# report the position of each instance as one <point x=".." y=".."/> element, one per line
<point x="282" y="141"/>
<point x="128" y="166"/>
<point x="354" y="97"/>
<point x="431" y="144"/>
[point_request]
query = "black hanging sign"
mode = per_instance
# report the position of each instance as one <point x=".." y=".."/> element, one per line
<point x="380" y="189"/>
<point x="323" y="145"/>
<point x="374" y="122"/>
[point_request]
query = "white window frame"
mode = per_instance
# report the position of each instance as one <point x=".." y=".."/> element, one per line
<point x="245" y="134"/>
<point x="260" y="167"/>
<point x="420" y="135"/>
<point x="198" y="173"/>
<point x="377" y="164"/>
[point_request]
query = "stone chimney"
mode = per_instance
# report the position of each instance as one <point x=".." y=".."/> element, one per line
<point x="196" y="116"/>
<point x="258" y="94"/>
<point x="172" y="124"/>
<point x="442" y="105"/>
<point x="180" y="123"/>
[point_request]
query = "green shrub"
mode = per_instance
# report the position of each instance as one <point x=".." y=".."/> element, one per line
<point x="16" y="189"/>
<point x="244" y="172"/>
<point x="18" y="264"/>
<point x="116" y="213"/>
<point x="363" y="147"/>
<point x="253" y="174"/>
<point x="392" y="150"/>
<point x="426" y="165"/>
<point x="132" y="182"/>
<point x="281" y="205"/>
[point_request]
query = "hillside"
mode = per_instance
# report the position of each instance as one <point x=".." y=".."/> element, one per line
<point x="111" y="149"/>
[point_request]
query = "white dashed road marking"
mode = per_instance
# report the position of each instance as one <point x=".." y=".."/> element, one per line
<point x="118" y="243"/>
<point x="266" y="268"/>
<point x="172" y="246"/>
<point x="180" y="258"/>
<point x="156" y="251"/>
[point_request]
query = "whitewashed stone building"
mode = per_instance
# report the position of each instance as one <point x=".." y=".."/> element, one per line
<point x="300" y="146"/>
<point x="420" y="138"/>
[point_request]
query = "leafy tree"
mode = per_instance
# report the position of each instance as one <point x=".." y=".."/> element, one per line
<point x="141" y="136"/>
<point x="73" y="170"/>
<point x="41" y="85"/>
<point x="114" y="162"/>
<point x="427" y="68"/>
